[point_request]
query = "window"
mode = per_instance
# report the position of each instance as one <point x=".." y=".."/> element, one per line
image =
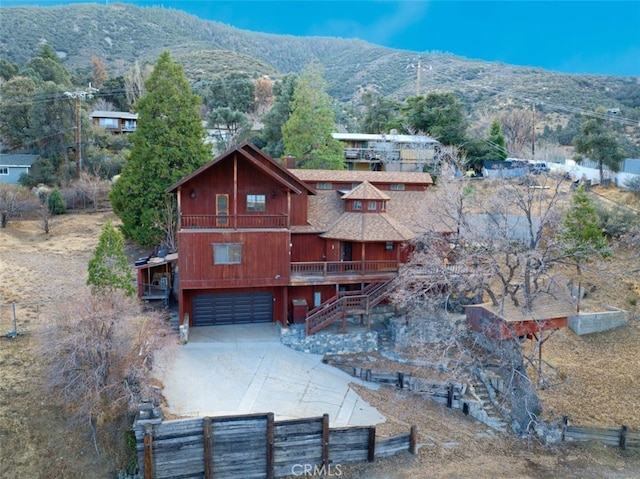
<point x="324" y="186"/>
<point x="222" y="209"/>
<point x="109" y="122"/>
<point x="227" y="253"/>
<point x="130" y="125"/>
<point x="256" y="203"/>
<point x="357" y="205"/>
<point x="372" y="205"/>
<point x="389" y="246"/>
<point x="397" y="187"/>
<point x="4" y="170"/>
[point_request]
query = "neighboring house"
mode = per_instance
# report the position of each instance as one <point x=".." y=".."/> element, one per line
<point x="12" y="166"/>
<point x="390" y="152"/>
<point x="259" y="242"/>
<point x="115" y="121"/>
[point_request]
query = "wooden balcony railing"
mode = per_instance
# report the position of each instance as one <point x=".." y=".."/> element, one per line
<point x="334" y="268"/>
<point x="233" y="222"/>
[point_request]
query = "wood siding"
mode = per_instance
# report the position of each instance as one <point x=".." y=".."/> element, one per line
<point x="265" y="259"/>
<point x="483" y="321"/>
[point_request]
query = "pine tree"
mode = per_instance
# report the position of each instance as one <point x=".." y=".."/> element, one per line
<point x="582" y="235"/>
<point x="307" y="134"/>
<point x="108" y="269"/>
<point x="56" y="203"/>
<point x="167" y="145"/>
<point x="497" y="141"/>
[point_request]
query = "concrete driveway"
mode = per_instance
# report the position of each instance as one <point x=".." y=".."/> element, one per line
<point x="243" y="369"/>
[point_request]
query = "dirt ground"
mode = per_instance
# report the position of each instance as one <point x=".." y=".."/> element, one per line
<point x="596" y="384"/>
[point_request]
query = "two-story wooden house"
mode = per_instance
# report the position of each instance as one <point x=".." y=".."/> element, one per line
<point x="261" y="242"/>
<point x="115" y="121"/>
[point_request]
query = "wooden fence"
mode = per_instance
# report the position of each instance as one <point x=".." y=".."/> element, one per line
<point x="256" y="446"/>
<point x="619" y="437"/>
<point x="447" y="393"/>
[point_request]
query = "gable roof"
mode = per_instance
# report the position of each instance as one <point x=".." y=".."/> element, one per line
<point x="355" y="176"/>
<point x="365" y="191"/>
<point x="258" y="159"/>
<point x="19" y="160"/>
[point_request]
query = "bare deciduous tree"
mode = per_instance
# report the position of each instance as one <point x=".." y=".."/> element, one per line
<point x="92" y="187"/>
<point x="496" y="237"/>
<point x="517" y="128"/>
<point x="134" y="83"/>
<point x="14" y="200"/>
<point x="167" y="221"/>
<point x="99" y="352"/>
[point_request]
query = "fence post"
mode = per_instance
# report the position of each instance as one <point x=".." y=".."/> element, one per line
<point x="413" y="440"/>
<point x="148" y="451"/>
<point x="207" y="431"/>
<point x="325" y="440"/>
<point x="270" y="445"/>
<point x="401" y="380"/>
<point x="623" y="438"/>
<point x="371" y="448"/>
<point x="450" y="395"/>
<point x="565" y="425"/>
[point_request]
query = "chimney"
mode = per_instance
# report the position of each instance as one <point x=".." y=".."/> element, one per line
<point x="289" y="162"/>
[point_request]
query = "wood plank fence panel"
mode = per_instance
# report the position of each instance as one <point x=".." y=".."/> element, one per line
<point x="618" y="437"/>
<point x="254" y="446"/>
<point x="297" y="442"/>
<point x="240" y="446"/>
<point x="348" y="445"/>
<point x="393" y="445"/>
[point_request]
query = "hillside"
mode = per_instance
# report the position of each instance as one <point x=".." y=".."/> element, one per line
<point x="119" y="34"/>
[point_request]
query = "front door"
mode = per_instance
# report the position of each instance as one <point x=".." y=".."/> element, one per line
<point x="346" y="251"/>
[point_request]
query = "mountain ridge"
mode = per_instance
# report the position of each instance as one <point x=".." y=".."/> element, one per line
<point x="120" y="34"/>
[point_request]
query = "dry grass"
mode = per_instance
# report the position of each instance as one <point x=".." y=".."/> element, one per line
<point x="598" y="384"/>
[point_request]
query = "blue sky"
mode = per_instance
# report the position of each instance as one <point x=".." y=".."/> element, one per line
<point x="598" y="37"/>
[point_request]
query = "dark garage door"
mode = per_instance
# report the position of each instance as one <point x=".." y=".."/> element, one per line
<point x="232" y="308"/>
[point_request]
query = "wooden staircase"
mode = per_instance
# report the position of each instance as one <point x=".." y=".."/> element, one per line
<point x="344" y="304"/>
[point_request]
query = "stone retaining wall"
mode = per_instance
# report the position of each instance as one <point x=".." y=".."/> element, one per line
<point x="349" y="343"/>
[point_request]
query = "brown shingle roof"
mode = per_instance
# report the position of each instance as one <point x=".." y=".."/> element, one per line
<point x="365" y="227"/>
<point x="365" y="191"/>
<point x="548" y="303"/>
<point x="414" y="210"/>
<point x="353" y="176"/>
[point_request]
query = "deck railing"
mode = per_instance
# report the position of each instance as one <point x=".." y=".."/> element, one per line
<point x="346" y="302"/>
<point x="233" y="222"/>
<point x="334" y="268"/>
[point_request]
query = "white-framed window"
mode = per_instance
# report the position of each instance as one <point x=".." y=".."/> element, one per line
<point x="372" y="205"/>
<point x="397" y="187"/>
<point x="227" y="253"/>
<point x="109" y="122"/>
<point x="4" y="170"/>
<point x="357" y="205"/>
<point x="256" y="203"/>
<point x="324" y="186"/>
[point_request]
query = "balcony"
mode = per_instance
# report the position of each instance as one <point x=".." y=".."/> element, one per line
<point x="325" y="269"/>
<point x="201" y="222"/>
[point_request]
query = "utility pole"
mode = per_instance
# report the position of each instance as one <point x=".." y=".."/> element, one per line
<point x="77" y="96"/>
<point x="418" y="73"/>
<point x="533" y="143"/>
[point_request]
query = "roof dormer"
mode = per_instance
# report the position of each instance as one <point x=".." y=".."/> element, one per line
<point x="365" y="198"/>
